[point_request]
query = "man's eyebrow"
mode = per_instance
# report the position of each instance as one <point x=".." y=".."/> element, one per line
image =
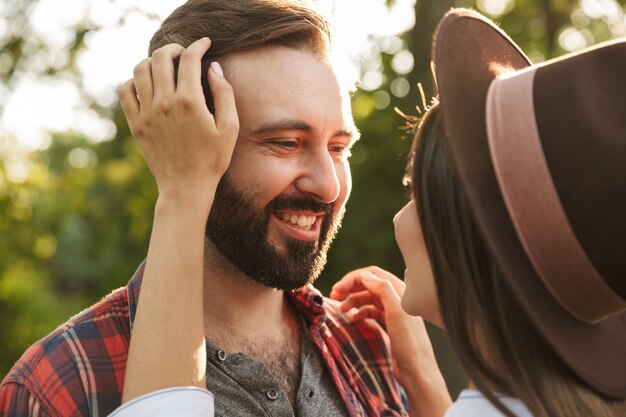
<point x="353" y="134"/>
<point x="283" y="125"/>
<point x="288" y="124"/>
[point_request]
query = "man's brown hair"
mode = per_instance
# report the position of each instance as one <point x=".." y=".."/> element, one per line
<point x="239" y="25"/>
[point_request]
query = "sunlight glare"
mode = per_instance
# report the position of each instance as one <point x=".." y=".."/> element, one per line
<point x="39" y="105"/>
<point x="572" y="39"/>
<point x="55" y="24"/>
<point x="495" y="8"/>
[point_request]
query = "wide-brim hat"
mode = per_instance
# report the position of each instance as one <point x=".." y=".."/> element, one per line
<point x="541" y="154"/>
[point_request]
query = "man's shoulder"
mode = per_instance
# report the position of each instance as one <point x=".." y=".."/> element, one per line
<point x="84" y="356"/>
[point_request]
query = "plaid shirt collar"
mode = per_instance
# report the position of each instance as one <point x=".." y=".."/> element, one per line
<point x="308" y="300"/>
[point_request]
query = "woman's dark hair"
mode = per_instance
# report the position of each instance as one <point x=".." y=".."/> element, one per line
<point x="496" y="343"/>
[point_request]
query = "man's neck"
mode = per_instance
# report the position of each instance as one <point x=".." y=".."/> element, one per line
<point x="242" y="315"/>
<point x="239" y="310"/>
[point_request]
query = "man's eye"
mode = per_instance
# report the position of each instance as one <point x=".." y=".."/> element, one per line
<point x="286" y="144"/>
<point x="341" y="150"/>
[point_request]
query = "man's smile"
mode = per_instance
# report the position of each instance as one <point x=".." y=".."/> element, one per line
<point x="301" y="225"/>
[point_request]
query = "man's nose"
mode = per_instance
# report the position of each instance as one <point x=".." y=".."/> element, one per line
<point x="320" y="178"/>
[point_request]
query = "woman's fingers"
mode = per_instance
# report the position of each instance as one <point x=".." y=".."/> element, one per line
<point x="351" y="282"/>
<point x="384" y="290"/>
<point x="395" y="282"/>
<point x="369" y="312"/>
<point x="163" y="70"/>
<point x="226" y="117"/>
<point x="143" y="81"/>
<point x="189" y="68"/>
<point x="372" y="295"/>
<point x="128" y="99"/>
<point x="360" y="299"/>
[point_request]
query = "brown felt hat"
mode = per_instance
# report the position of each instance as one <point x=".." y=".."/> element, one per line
<point x="541" y="152"/>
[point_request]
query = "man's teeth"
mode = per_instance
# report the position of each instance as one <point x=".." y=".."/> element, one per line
<point x="304" y="222"/>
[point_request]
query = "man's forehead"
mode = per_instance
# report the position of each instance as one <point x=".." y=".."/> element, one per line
<point x="275" y="85"/>
<point x="280" y="66"/>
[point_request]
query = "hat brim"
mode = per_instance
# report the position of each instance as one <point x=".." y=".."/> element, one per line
<point x="469" y="52"/>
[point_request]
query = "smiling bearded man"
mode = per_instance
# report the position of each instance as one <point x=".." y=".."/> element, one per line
<point x="274" y="345"/>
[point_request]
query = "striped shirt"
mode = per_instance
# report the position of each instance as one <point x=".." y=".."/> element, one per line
<point x="78" y="370"/>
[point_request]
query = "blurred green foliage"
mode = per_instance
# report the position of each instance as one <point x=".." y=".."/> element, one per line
<point x="77" y="225"/>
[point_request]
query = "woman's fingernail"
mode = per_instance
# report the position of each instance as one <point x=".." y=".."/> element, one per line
<point x="217" y="68"/>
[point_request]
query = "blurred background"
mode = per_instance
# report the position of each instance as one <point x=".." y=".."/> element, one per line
<point x="76" y="199"/>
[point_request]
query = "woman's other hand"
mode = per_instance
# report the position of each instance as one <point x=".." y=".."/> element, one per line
<point x="373" y="293"/>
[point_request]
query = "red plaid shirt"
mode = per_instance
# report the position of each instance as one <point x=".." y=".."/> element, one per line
<point x="78" y="370"/>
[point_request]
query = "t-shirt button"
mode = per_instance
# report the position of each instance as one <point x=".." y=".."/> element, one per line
<point x="221" y="355"/>
<point x="272" y="394"/>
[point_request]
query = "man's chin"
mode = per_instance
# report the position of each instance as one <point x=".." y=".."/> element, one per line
<point x="294" y="272"/>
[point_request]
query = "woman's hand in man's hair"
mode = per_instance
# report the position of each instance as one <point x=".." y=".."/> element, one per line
<point x="187" y="148"/>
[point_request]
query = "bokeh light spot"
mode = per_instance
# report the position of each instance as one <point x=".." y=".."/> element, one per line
<point x="400" y="87"/>
<point x="382" y="99"/>
<point x="402" y="62"/>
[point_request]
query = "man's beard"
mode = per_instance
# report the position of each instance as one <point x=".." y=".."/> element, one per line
<point x="239" y="231"/>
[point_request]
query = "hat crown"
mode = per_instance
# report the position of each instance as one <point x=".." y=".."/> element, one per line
<point x="580" y="108"/>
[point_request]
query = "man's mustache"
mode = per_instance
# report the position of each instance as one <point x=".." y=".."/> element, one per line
<point x="295" y="203"/>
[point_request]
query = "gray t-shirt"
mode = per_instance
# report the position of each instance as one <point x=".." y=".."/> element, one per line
<point x="244" y="387"/>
